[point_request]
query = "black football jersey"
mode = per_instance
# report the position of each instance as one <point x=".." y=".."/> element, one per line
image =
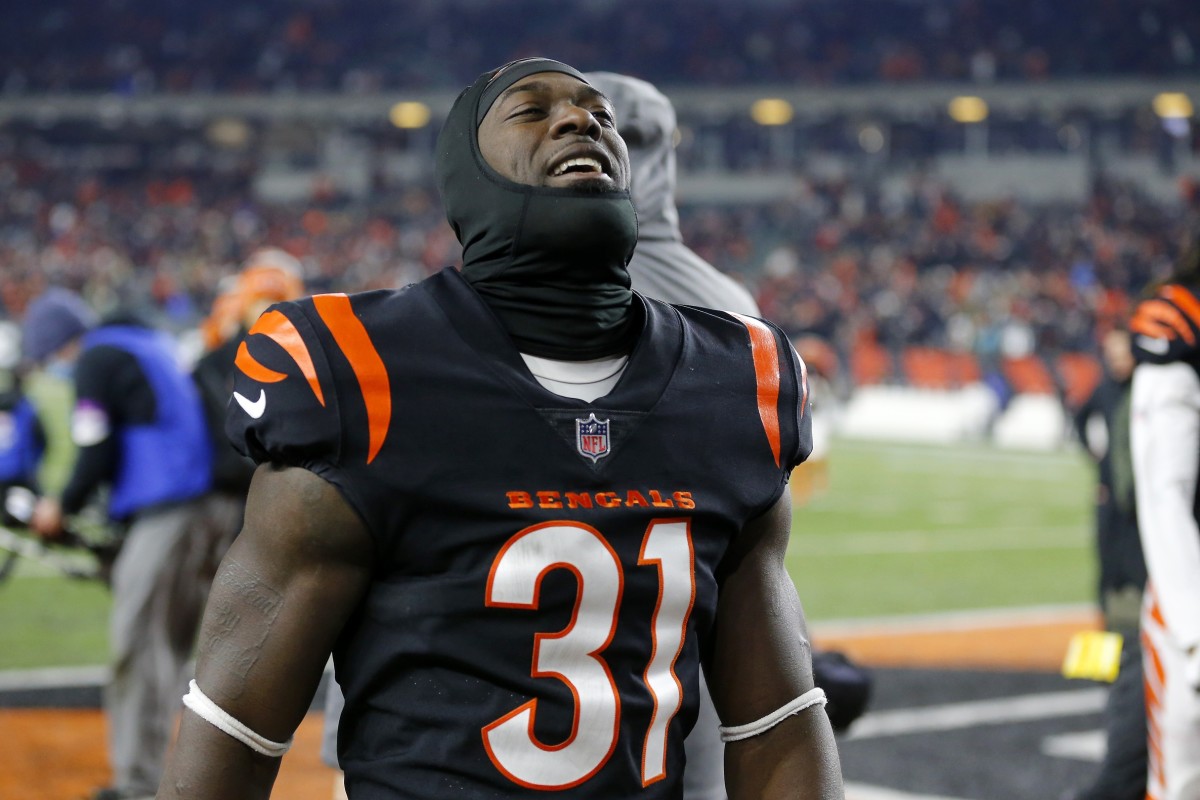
<point x="547" y="569"/>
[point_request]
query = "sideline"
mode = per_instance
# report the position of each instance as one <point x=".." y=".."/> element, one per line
<point x="973" y="713"/>
<point x="1032" y="638"/>
<point x="863" y="791"/>
<point x="962" y="620"/>
<point x="925" y="637"/>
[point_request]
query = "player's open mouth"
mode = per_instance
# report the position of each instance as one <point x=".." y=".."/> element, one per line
<point x="582" y="166"/>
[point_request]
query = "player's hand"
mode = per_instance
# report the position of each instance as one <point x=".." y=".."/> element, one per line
<point x="47" y="520"/>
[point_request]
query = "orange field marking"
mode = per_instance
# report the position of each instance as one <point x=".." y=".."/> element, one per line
<point x="1019" y="643"/>
<point x="59" y="754"/>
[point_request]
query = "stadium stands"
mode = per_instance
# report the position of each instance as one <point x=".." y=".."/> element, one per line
<point x="146" y="146"/>
<point x="137" y="46"/>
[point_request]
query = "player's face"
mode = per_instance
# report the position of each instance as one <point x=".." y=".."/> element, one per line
<point x="550" y="129"/>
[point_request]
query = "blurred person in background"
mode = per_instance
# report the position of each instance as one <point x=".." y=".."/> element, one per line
<point x="269" y="275"/>
<point x="139" y="428"/>
<point x="1102" y="424"/>
<point x="663" y="267"/>
<point x="22" y="437"/>
<point x="1165" y="442"/>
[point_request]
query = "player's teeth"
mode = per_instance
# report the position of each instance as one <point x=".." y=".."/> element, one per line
<point x="578" y="162"/>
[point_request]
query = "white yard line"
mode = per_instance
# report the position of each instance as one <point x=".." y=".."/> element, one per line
<point x="1084" y="746"/>
<point x="862" y="791"/>
<point x="910" y="453"/>
<point x="945" y="540"/>
<point x="70" y="677"/>
<point x="955" y="716"/>
<point x="968" y="620"/>
<point x="52" y="678"/>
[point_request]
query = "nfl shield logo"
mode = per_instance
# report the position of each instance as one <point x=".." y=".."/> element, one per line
<point x="591" y="437"/>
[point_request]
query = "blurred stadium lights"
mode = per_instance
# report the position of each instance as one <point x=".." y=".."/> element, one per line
<point x="772" y="111"/>
<point x="1175" y="110"/>
<point x="409" y="115"/>
<point x="971" y="112"/>
<point x="1103" y="97"/>
<point x="1173" y="105"/>
<point x="228" y="132"/>
<point x="871" y="138"/>
<point x="968" y="109"/>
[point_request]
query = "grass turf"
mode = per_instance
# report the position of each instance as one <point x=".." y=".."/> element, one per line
<point x="908" y="529"/>
<point x="900" y="530"/>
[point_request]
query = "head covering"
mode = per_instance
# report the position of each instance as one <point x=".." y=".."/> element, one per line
<point x="549" y="261"/>
<point x="52" y="320"/>
<point x="646" y="120"/>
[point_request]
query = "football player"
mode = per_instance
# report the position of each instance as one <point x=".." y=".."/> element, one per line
<point x="506" y="499"/>
<point x="1165" y="441"/>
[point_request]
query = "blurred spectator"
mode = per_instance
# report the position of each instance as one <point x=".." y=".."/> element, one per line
<point x="130" y="47"/>
<point x="22" y="437"/>
<point x="849" y="261"/>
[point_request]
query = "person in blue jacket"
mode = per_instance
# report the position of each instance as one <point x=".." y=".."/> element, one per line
<point x="22" y="441"/>
<point x="140" y="431"/>
<point x="22" y="437"/>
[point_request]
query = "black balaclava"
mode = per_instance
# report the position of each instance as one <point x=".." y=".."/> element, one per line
<point x="550" y="262"/>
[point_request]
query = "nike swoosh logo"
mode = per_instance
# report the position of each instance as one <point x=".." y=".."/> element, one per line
<point x="256" y="408"/>
<point x="1157" y="346"/>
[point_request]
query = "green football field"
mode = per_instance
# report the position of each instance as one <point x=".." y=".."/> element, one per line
<point x="900" y="530"/>
<point x="906" y="530"/>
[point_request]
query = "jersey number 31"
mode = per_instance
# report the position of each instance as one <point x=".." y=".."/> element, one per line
<point x="575" y="655"/>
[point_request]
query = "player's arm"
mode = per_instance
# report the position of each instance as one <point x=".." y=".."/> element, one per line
<point x="1165" y="436"/>
<point x="761" y="662"/>
<point x="278" y="602"/>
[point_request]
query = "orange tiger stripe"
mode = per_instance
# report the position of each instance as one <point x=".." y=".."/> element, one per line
<point x="1154" y="742"/>
<point x="1163" y="312"/>
<point x="279" y="329"/>
<point x="1186" y="301"/>
<point x="1147" y="326"/>
<point x="765" y="354"/>
<point x="1159" y="674"/>
<point x="353" y="339"/>
<point x="1151" y="690"/>
<point x="1156" y="611"/>
<point x="253" y="369"/>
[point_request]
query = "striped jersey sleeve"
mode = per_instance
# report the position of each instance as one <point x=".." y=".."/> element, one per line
<point x="283" y="408"/>
<point x="1166" y="327"/>
<point x="784" y="404"/>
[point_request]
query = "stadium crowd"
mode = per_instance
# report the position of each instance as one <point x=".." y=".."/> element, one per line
<point x="851" y="260"/>
<point x="843" y="260"/>
<point x="140" y="46"/>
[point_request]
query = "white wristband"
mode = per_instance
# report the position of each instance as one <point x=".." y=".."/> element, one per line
<point x="737" y="732"/>
<point x="216" y="716"/>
